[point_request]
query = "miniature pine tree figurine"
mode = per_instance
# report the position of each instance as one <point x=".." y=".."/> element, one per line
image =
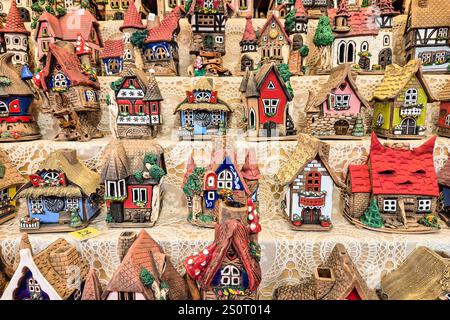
<point x="75" y="220"/>
<point x="323" y="39"/>
<point x="146" y="278"/>
<point x="358" y="129"/>
<point x="371" y="216"/>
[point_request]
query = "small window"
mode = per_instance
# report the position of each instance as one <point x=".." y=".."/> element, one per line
<point x="72" y="203"/>
<point x="386" y="40"/>
<point x="342" y="101"/>
<point x="270" y="86"/>
<point x="219" y="39"/>
<point x="211" y="196"/>
<point x="4" y="194"/>
<point x="424" y="205"/>
<point x="44" y="46"/>
<point x="273" y="25"/>
<point x="270" y="106"/>
<point x="4" y="110"/>
<point x="264" y="38"/>
<point x="208" y="4"/>
<point x="442" y="33"/>
<point x="313" y="181"/>
<point x="45" y="32"/>
<point x="121" y="188"/>
<point x="230" y="276"/>
<point x="127" y="54"/>
<point x="390" y="205"/>
<point x="211" y="181"/>
<point x="90" y="96"/>
<point x="244" y="48"/>
<point x="280" y="38"/>
<point x="447" y="120"/>
<point x="16" y="40"/>
<point x="224" y="180"/>
<point x="380" y="120"/>
<point x="111" y="188"/>
<point x="139" y="195"/>
<point x="411" y="96"/>
<point x="365" y="46"/>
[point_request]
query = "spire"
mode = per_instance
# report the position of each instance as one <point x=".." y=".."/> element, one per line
<point x="343" y="8"/>
<point x="252" y="87"/>
<point x="300" y="9"/>
<point x="250" y="169"/>
<point x="190" y="167"/>
<point x="14" y="23"/>
<point x="92" y="287"/>
<point x="132" y="18"/>
<point x="249" y="32"/>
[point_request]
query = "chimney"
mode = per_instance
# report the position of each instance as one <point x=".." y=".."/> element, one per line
<point x="126" y="239"/>
<point x="62" y="258"/>
<point x="152" y="21"/>
<point x="324" y="281"/>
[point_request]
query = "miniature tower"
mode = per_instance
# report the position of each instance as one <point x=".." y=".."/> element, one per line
<point x="16" y="35"/>
<point x="126" y="239"/>
<point x="342" y="16"/>
<point x="250" y="172"/>
<point x="250" y="97"/>
<point x="132" y="22"/>
<point x="249" y="47"/>
<point x="298" y="37"/>
<point x="386" y="15"/>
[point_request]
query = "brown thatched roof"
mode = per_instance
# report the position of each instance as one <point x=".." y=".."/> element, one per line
<point x="53" y="263"/>
<point x="12" y="176"/>
<point x="337" y="76"/>
<point x="343" y="278"/>
<point x="116" y="164"/>
<point x="306" y="150"/>
<point x="422" y="276"/>
<point x="8" y="70"/>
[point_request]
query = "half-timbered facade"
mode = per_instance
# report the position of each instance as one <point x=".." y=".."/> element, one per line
<point x="273" y="42"/>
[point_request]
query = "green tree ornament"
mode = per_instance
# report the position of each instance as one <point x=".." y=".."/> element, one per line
<point x="304" y="50"/>
<point x="324" y="35"/>
<point x="358" y="129"/>
<point x="283" y="68"/>
<point x="147" y="278"/>
<point x="372" y="217"/>
<point x="156" y="172"/>
<point x="150" y="158"/>
<point x="137" y="38"/>
<point x="75" y="220"/>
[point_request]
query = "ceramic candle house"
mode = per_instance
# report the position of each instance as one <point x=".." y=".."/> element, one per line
<point x="62" y="195"/>
<point x="112" y="57"/>
<point x="400" y="102"/>
<point x="205" y="188"/>
<point x="395" y="191"/>
<point x="444" y="112"/>
<point x="72" y="93"/>
<point x="228" y="269"/>
<point x="132" y="173"/>
<point x="336" y="111"/>
<point x="424" y="270"/>
<point x="443" y="203"/>
<point x="10" y="180"/>
<point x="160" y="49"/>
<point x="202" y="113"/>
<point x="69" y="27"/>
<point x="16" y="98"/>
<point x="56" y="273"/>
<point x="146" y="273"/>
<point x="337" y="278"/>
<point x="426" y="35"/>
<point x="363" y="35"/>
<point x="273" y="41"/>
<point x="139" y="105"/>
<point x="266" y="103"/>
<point x="308" y="182"/>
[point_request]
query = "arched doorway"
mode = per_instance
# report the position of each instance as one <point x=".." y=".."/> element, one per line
<point x="409" y="126"/>
<point x="385" y="57"/>
<point x="246" y="62"/>
<point x="311" y="215"/>
<point x="341" y="127"/>
<point x="269" y="127"/>
<point x="252" y="119"/>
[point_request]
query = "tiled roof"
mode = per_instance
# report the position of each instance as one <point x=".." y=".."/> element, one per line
<point x="403" y="172"/>
<point x="92" y="288"/>
<point x="53" y="22"/>
<point x="70" y="64"/>
<point x="85" y="21"/>
<point x="277" y="21"/>
<point x="396" y="78"/>
<point x="132" y="18"/>
<point x="168" y="27"/>
<point x="14" y="23"/>
<point x="433" y="14"/>
<point x="115" y="163"/>
<point x="359" y="177"/>
<point x="337" y="75"/>
<point x="361" y="22"/>
<point x="249" y="32"/>
<point x="112" y="49"/>
<point x="300" y="8"/>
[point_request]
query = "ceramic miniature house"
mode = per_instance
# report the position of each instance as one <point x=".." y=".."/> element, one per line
<point x="50" y="29"/>
<point x="202" y="113"/>
<point x="335" y="279"/>
<point x="400" y="102"/>
<point x="221" y="176"/>
<point x="273" y="41"/>
<point x="160" y="48"/>
<point x="71" y="91"/>
<point x="250" y="56"/>
<point x="139" y="105"/>
<point x="242" y="8"/>
<point x="228" y="269"/>
<point x="16" y="99"/>
<point x="308" y="182"/>
<point x="426" y="35"/>
<point x="112" y="57"/>
<point x="266" y="99"/>
<point x="132" y="174"/>
<point x="395" y="191"/>
<point x="298" y="36"/>
<point x="15" y="36"/>
<point x="363" y="35"/>
<point x="146" y="273"/>
<point x="62" y="195"/>
<point x="56" y="273"/>
<point x="336" y="110"/>
<point x="443" y="203"/>
<point x="10" y="180"/>
<point x="444" y="112"/>
<point x="422" y="276"/>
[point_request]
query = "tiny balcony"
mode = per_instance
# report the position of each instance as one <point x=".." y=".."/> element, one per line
<point x="312" y="199"/>
<point x="411" y="110"/>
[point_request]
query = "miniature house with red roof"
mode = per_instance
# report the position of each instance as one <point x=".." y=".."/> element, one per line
<point x="72" y="93"/>
<point x="266" y="100"/>
<point x="221" y="179"/>
<point x="250" y="56"/>
<point x="228" y="269"/>
<point x="139" y="102"/>
<point x="400" y="182"/>
<point x="336" y="110"/>
<point x="273" y="41"/>
<point x="362" y="35"/>
<point x="112" y="57"/>
<point x="15" y="36"/>
<point x="160" y="48"/>
<point x="51" y="29"/>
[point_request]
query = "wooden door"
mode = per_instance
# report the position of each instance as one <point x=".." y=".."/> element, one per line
<point x="385" y="57"/>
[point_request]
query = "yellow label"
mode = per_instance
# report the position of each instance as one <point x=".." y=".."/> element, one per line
<point x="84" y="234"/>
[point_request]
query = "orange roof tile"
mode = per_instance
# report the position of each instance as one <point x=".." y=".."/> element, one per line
<point x="14" y="23"/>
<point x="132" y="18"/>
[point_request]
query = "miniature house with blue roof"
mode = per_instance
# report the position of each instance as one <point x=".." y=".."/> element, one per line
<point x="61" y="196"/>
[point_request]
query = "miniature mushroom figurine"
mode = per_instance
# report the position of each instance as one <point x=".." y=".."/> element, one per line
<point x="253" y="217"/>
<point x="196" y="264"/>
